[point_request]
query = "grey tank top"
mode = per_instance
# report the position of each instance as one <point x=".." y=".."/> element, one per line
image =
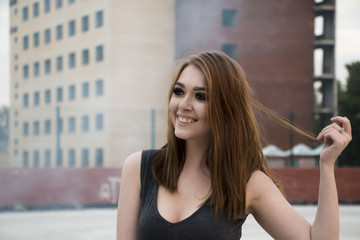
<point x="201" y="225"/>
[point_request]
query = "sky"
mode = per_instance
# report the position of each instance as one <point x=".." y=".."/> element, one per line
<point x="347" y="42"/>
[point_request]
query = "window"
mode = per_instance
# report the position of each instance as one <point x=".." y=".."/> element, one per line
<point x="13" y="30"/>
<point x="47" y="36"/>
<point x="47" y="156"/>
<point x="36" y="9"/>
<point x="25" y="159"/>
<point x="59" y="32"/>
<point x="58" y="3"/>
<point x="25" y="129"/>
<point x="230" y="50"/>
<point x="47" y="66"/>
<point x="71" y="92"/>
<point x="25" y="42"/>
<point x="59" y="158"/>
<point x="25" y="13"/>
<point x="99" y="157"/>
<point x="85" y="123"/>
<point x="85" y="57"/>
<point x="99" y="19"/>
<point x="36" y="159"/>
<point x="47" y="96"/>
<point x="36" y="69"/>
<point x="71" y="28"/>
<point x="71" y="157"/>
<point x="59" y="125"/>
<point x="71" y="1"/>
<point x="99" y="87"/>
<point x="85" y="90"/>
<point x="59" y="94"/>
<point x="36" y="39"/>
<point x="25" y="71"/>
<point x="99" y="121"/>
<point x="36" y="98"/>
<point x="25" y="100"/>
<point x="85" y="23"/>
<point x="229" y="17"/>
<point x="59" y="63"/>
<point x="36" y="128"/>
<point x="71" y="60"/>
<point x="72" y="126"/>
<point x="46" y="6"/>
<point x="47" y="126"/>
<point x="99" y="53"/>
<point x="85" y="157"/>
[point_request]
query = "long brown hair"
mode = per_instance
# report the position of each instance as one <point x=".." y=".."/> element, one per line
<point x="235" y="150"/>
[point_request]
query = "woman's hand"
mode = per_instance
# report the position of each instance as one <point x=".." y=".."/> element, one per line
<point x="336" y="137"/>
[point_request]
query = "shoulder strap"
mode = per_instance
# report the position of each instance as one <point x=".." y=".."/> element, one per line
<point x="146" y="176"/>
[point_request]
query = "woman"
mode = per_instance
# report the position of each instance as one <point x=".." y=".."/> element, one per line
<point x="212" y="172"/>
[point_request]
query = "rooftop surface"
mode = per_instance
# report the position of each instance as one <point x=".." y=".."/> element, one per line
<point x="97" y="224"/>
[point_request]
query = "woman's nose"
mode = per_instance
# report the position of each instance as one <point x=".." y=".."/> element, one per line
<point x="185" y="103"/>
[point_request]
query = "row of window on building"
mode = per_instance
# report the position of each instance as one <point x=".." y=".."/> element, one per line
<point x="85" y="93"/>
<point x="59" y="161"/>
<point x="59" y="62"/>
<point x="59" y="29"/>
<point x="85" y="125"/>
<point x="46" y="8"/>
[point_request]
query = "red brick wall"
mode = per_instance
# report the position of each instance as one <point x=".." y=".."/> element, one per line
<point x="44" y="187"/>
<point x="35" y="187"/>
<point x="301" y="185"/>
<point x="275" y="47"/>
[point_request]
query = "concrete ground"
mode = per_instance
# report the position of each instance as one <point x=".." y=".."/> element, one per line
<point x="98" y="224"/>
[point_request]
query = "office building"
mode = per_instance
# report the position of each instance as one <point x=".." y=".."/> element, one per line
<point x="89" y="80"/>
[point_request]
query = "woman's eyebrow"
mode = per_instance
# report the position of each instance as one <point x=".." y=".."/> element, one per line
<point x="180" y="84"/>
<point x="195" y="88"/>
<point x="199" y="89"/>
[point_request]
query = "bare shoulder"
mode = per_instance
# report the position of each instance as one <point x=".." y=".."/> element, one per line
<point x="258" y="181"/>
<point x="131" y="168"/>
<point x="258" y="187"/>
<point x="133" y="161"/>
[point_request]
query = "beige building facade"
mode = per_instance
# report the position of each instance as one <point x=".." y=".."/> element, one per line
<point x="89" y="80"/>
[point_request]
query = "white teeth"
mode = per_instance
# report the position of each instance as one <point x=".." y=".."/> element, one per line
<point x="185" y="120"/>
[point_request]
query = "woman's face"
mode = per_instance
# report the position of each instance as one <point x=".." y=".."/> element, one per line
<point x="188" y="106"/>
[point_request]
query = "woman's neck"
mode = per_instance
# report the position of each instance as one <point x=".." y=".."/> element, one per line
<point x="195" y="151"/>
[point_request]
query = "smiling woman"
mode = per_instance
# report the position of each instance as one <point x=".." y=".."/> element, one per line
<point x="187" y="105"/>
<point x="212" y="172"/>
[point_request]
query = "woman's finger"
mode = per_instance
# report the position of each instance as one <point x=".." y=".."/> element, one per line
<point x="343" y="122"/>
<point x="332" y="126"/>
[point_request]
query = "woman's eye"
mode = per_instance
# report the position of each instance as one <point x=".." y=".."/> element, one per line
<point x="200" y="96"/>
<point x="178" y="91"/>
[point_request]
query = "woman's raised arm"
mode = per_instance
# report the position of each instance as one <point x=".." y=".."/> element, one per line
<point x="279" y="218"/>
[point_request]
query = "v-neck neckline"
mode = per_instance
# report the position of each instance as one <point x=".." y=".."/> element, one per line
<point x="188" y="218"/>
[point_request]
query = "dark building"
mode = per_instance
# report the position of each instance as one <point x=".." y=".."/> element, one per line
<point x="272" y="40"/>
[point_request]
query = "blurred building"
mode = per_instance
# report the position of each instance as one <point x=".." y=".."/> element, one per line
<point x="4" y="136"/>
<point x="89" y="80"/>
<point x="274" y="43"/>
<point x="324" y="45"/>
